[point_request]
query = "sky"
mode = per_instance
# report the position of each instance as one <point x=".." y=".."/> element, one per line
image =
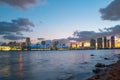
<point x="57" y="19"/>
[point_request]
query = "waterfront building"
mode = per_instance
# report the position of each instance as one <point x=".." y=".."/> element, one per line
<point x="60" y="47"/>
<point x="82" y="44"/>
<point x="76" y="45"/>
<point x="70" y="45"/>
<point x="117" y="41"/>
<point x="105" y="42"/>
<point x="28" y="41"/>
<point x="99" y="43"/>
<point x="112" y="42"/>
<point x="108" y="43"/>
<point x="93" y="44"/>
<point x="73" y="45"/>
<point x="5" y="48"/>
<point x="12" y="44"/>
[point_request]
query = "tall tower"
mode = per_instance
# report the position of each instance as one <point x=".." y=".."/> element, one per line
<point x="105" y="42"/>
<point x="93" y="44"/>
<point x="28" y="41"/>
<point x="82" y="44"/>
<point x="76" y="45"/>
<point x="71" y="45"/>
<point x="99" y="43"/>
<point x="108" y="44"/>
<point x="112" y="42"/>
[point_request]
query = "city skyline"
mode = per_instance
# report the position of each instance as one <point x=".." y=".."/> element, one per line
<point x="57" y="19"/>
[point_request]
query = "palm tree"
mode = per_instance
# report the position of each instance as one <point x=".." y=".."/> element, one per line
<point x="43" y="42"/>
<point x="55" y="45"/>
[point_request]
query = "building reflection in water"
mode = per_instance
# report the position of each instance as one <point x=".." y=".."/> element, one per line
<point x="20" y="67"/>
<point x="4" y="66"/>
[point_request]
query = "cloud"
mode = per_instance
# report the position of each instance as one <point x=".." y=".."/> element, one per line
<point x="61" y="41"/>
<point x="87" y="35"/>
<point x="112" y="11"/>
<point x="15" y="28"/>
<point x="23" y="4"/>
<point x="13" y="37"/>
<point x="113" y="30"/>
<point x="43" y="2"/>
<point x="23" y="22"/>
<point x="40" y="38"/>
<point x="83" y="35"/>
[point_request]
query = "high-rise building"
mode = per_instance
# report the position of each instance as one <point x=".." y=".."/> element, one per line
<point x="108" y="43"/>
<point x="99" y="43"/>
<point x="112" y="42"/>
<point x="76" y="45"/>
<point x="28" y="41"/>
<point x="93" y="44"/>
<point x="105" y="42"/>
<point x="71" y="45"/>
<point x="82" y="44"/>
<point x="12" y="44"/>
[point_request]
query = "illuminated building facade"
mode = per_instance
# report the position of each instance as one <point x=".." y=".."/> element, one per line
<point x="82" y="44"/>
<point x="117" y="41"/>
<point x="105" y="42"/>
<point x="28" y="42"/>
<point x="108" y="44"/>
<point x="93" y="44"/>
<point x="99" y="43"/>
<point x="112" y="42"/>
<point x="5" y="48"/>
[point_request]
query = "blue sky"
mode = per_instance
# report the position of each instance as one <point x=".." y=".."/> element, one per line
<point x="60" y="18"/>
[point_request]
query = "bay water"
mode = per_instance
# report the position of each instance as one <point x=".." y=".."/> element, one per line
<point x="53" y="65"/>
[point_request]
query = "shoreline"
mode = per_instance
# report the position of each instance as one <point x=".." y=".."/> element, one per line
<point x="55" y="50"/>
<point x="83" y="72"/>
<point x="109" y="72"/>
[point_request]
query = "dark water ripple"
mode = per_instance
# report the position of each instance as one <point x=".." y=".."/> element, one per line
<point x="52" y="65"/>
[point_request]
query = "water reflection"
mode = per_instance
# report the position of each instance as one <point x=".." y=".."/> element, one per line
<point x="20" y="69"/>
<point x="11" y="65"/>
<point x="50" y="65"/>
<point x="4" y="65"/>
